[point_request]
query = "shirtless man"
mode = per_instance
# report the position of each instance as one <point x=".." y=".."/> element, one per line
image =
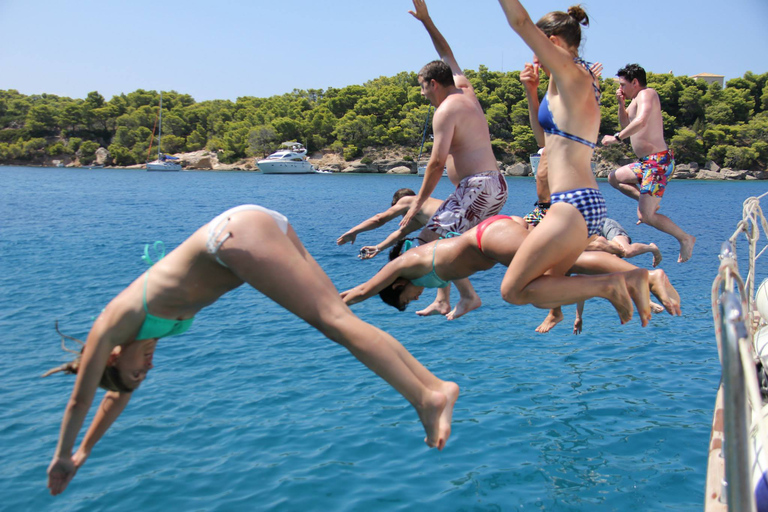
<point x="401" y="203"/>
<point x="646" y="179"/>
<point x="463" y="146"/>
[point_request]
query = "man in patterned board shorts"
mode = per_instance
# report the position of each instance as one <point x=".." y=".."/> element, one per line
<point x="462" y="146"/>
<point x="645" y="180"/>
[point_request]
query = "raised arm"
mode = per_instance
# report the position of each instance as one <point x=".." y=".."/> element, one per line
<point x="557" y="60"/>
<point x="441" y="45"/>
<point x="623" y="114"/>
<point x="529" y="77"/>
<point x="374" y="222"/>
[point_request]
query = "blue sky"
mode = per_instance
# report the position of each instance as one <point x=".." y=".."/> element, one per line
<point x="233" y="48"/>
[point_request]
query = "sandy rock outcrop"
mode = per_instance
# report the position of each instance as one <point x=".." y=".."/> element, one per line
<point x="102" y="157"/>
<point x="518" y="169"/>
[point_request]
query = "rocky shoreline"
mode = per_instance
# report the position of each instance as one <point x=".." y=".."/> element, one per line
<point x="328" y="161"/>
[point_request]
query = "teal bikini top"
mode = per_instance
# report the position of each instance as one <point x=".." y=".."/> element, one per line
<point x="154" y="326"/>
<point x="431" y="280"/>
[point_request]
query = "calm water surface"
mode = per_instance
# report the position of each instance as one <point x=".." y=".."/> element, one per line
<point x="253" y="410"/>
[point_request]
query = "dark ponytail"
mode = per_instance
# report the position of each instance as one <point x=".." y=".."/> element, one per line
<point x="565" y="25"/>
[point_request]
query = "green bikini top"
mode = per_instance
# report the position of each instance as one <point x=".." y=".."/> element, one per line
<point x="154" y="326"/>
<point x="431" y="280"/>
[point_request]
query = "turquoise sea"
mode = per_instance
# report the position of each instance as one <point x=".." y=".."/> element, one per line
<point x="253" y="410"/>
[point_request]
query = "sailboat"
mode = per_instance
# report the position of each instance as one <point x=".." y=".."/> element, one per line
<point x="164" y="162"/>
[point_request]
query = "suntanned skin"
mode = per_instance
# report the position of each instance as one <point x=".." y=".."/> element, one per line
<point x="537" y="274"/>
<point x="401" y="207"/>
<point x="529" y="77"/>
<point x="461" y="257"/>
<point x="188" y="279"/>
<point x="462" y="145"/>
<point x="643" y="123"/>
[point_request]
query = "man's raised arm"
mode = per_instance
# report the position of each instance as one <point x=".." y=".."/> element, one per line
<point x="441" y="45"/>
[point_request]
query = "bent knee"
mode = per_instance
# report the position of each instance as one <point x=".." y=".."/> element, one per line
<point x="514" y="296"/>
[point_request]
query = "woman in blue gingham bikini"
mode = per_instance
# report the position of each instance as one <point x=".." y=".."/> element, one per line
<point x="570" y="117"/>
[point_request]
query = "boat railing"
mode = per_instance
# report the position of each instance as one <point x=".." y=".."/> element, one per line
<point x="735" y="322"/>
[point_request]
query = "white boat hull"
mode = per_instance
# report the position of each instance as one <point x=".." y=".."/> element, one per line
<point x="285" y="167"/>
<point x="423" y="169"/>
<point x="167" y="166"/>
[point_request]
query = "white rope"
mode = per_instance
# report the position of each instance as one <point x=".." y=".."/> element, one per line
<point x="729" y="279"/>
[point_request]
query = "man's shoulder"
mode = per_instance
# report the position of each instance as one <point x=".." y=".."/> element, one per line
<point x="460" y="100"/>
<point x="459" y="106"/>
<point x="649" y="93"/>
<point x="405" y="201"/>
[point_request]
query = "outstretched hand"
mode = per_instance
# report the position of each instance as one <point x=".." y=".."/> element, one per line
<point x="597" y="69"/>
<point x="420" y="12"/>
<point x="346" y="237"/>
<point x="368" y="252"/>
<point x="60" y="473"/>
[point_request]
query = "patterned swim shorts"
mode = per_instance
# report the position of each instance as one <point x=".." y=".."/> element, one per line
<point x="477" y="197"/>
<point x="537" y="214"/>
<point x="653" y="171"/>
<point x="589" y="202"/>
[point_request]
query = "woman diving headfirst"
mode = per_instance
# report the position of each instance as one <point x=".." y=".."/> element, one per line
<point x="570" y="117"/>
<point x="498" y="240"/>
<point x="248" y="244"/>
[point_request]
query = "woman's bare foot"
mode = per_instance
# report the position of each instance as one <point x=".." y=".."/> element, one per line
<point x="436" y="308"/>
<point x="663" y="290"/>
<point x="626" y="288"/>
<point x="656" y="308"/>
<point x="656" y="255"/>
<point x="637" y="286"/>
<point x="451" y="392"/>
<point x="430" y="414"/>
<point x="686" y="248"/>
<point x="554" y="317"/>
<point x="618" y="295"/>
<point x="464" y="306"/>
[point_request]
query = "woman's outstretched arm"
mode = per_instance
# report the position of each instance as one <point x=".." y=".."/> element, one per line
<point x="411" y="265"/>
<point x="374" y="285"/>
<point x="108" y="331"/>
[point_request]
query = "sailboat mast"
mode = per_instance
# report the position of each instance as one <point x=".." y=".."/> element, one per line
<point x="160" y="130"/>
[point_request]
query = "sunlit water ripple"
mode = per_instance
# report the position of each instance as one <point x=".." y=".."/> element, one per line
<point x="252" y="409"/>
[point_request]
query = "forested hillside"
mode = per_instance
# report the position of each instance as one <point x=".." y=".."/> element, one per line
<point x="702" y="122"/>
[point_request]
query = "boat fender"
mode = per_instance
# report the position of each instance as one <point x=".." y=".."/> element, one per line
<point x="761" y="494"/>
<point x="761" y="299"/>
<point x="761" y="345"/>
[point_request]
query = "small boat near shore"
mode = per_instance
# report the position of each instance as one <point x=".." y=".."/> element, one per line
<point x="737" y="466"/>
<point x="292" y="159"/>
<point x="164" y="162"/>
<point x="422" y="169"/>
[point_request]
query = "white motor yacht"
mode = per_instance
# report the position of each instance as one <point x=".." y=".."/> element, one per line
<point x="292" y="159"/>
